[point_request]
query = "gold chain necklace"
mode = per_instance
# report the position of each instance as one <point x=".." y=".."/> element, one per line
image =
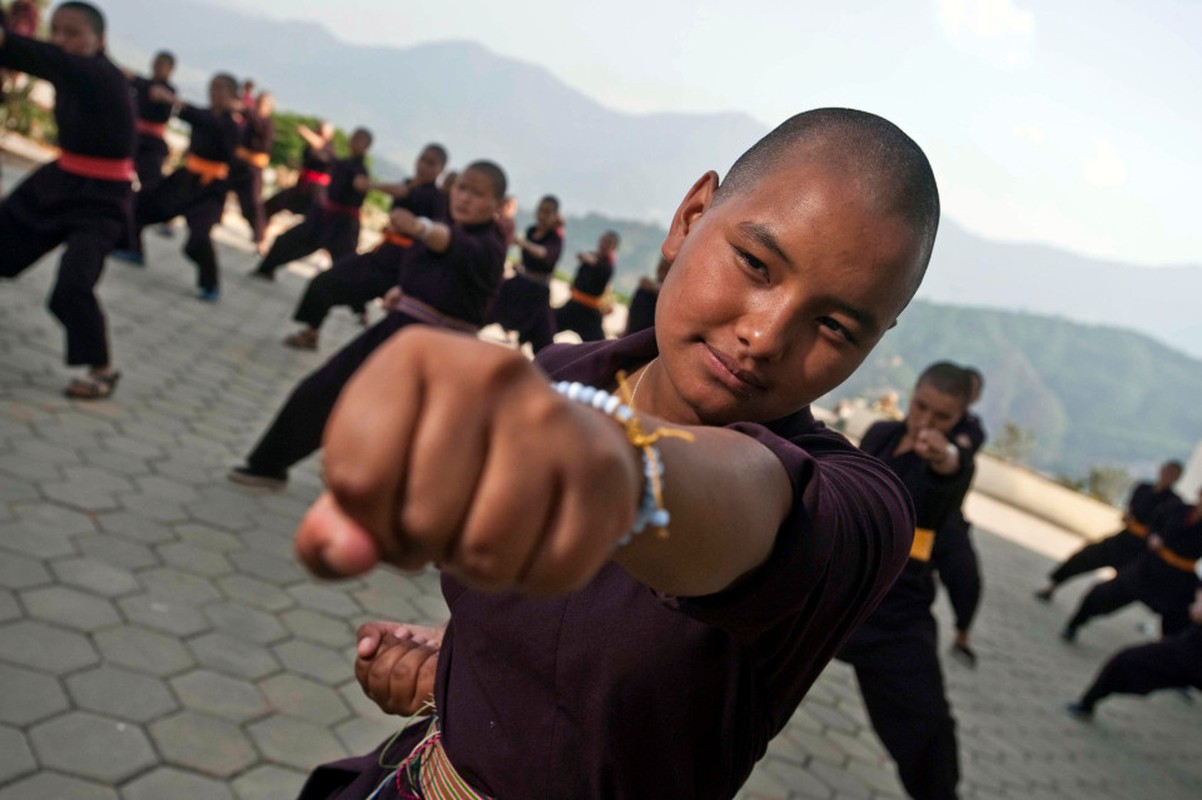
<point x="639" y="382"/>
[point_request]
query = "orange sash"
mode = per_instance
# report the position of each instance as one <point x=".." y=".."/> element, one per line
<point x="1177" y="562"/>
<point x="260" y="160"/>
<point x="103" y="169"/>
<point x="208" y="171"/>
<point x="1138" y="528"/>
<point x="924" y="543"/>
<point x="398" y="239"/>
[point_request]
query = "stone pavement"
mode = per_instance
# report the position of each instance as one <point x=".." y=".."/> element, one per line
<point x="157" y="639"/>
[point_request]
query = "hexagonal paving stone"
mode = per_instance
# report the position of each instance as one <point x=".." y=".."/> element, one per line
<point x="24" y="537"/>
<point x="49" y="785"/>
<point x="274" y="569"/>
<point x="209" y="538"/>
<point x="182" y="587"/>
<point x="143" y="650"/>
<point x="237" y="657"/>
<point x="220" y="695"/>
<point x="8" y="606"/>
<point x="362" y="735"/>
<point x="255" y="592"/>
<point x="21" y="572"/>
<point x="94" y="576"/>
<point x="120" y="553"/>
<point x="324" y="599"/>
<point x="86" y="488"/>
<point x="317" y="627"/>
<point x="27" y="696"/>
<point x="162" y="614"/>
<point x="45" y="647"/>
<point x="207" y="744"/>
<point x="245" y="623"/>
<point x="135" y="527"/>
<point x="16" y="758"/>
<point x="326" y="665"/>
<point x="166" y="782"/>
<point x="120" y="694"/>
<point x="295" y="743"/>
<point x="269" y="782"/>
<point x="191" y="558"/>
<point x="91" y="746"/>
<point x="70" y="608"/>
<point x="300" y="697"/>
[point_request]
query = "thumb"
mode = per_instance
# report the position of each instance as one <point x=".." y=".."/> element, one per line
<point x="331" y="544"/>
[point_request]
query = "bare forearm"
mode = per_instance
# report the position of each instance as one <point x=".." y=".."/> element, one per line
<point x="728" y="496"/>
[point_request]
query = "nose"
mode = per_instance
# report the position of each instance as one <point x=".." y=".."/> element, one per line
<point x="767" y="331"/>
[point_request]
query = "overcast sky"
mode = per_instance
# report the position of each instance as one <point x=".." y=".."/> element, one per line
<point x="1069" y="123"/>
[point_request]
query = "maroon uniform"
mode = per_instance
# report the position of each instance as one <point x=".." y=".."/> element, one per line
<point x="197" y="190"/>
<point x="524" y="303"/>
<point x="83" y="199"/>
<point x="615" y="691"/>
<point x="314" y="177"/>
<point x="583" y="312"/>
<point x="246" y="172"/>
<point x="332" y="223"/>
<point x="151" y="124"/>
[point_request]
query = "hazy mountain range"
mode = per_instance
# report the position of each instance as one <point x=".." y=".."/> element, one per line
<point x="553" y="138"/>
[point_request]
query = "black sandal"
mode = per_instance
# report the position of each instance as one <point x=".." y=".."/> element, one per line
<point x="93" y="387"/>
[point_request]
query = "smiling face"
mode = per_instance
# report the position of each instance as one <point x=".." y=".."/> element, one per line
<point x="71" y="30"/>
<point x="776" y="294"/>
<point x="474" y="198"/>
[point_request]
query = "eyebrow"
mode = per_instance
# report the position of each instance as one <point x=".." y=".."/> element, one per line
<point x="763" y="235"/>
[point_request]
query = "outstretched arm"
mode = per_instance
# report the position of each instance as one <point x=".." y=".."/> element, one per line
<point x="473" y="462"/>
<point x="312" y="139"/>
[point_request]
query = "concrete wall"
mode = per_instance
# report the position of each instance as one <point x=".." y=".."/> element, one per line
<point x="1029" y="491"/>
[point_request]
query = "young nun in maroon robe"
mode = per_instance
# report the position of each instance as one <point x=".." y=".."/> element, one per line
<point x="197" y="189"/>
<point x="253" y="155"/>
<point x="316" y="162"/>
<point x="583" y="311"/>
<point x="82" y="199"/>
<point x="524" y="303"/>
<point x="580" y="661"/>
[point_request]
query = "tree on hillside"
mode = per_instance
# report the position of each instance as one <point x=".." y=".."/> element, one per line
<point x="1014" y="444"/>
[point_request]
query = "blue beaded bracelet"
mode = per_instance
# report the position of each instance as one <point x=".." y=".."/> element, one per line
<point x="651" y="511"/>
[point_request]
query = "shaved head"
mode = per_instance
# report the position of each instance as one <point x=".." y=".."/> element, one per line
<point x="889" y="168"/>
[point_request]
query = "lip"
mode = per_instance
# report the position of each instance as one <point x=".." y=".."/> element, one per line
<point x="727" y="370"/>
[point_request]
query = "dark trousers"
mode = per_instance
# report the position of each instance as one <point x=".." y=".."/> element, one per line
<point x="524" y="305"/>
<point x="902" y="684"/>
<point x="247" y="183"/>
<point x="573" y="316"/>
<point x="338" y="233"/>
<point x="296" y="199"/>
<point x="353" y="281"/>
<point x="201" y="205"/>
<point x="148" y="161"/>
<point x="1170" y="663"/>
<point x="959" y="570"/>
<point x="1113" y="551"/>
<point x="51" y="208"/>
<point x="1128" y="587"/>
<point x="297" y="429"/>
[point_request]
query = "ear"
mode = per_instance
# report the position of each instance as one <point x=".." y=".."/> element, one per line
<point x="698" y="200"/>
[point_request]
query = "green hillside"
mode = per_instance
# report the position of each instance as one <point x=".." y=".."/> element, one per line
<point x="1091" y="395"/>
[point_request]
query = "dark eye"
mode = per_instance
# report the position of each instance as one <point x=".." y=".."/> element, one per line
<point x="750" y="261"/>
<point x="837" y="328"/>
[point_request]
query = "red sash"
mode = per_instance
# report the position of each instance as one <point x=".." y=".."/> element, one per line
<point x="104" y="169"/>
<point x="319" y="178"/>
<point x="337" y="208"/>
<point x="156" y="129"/>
